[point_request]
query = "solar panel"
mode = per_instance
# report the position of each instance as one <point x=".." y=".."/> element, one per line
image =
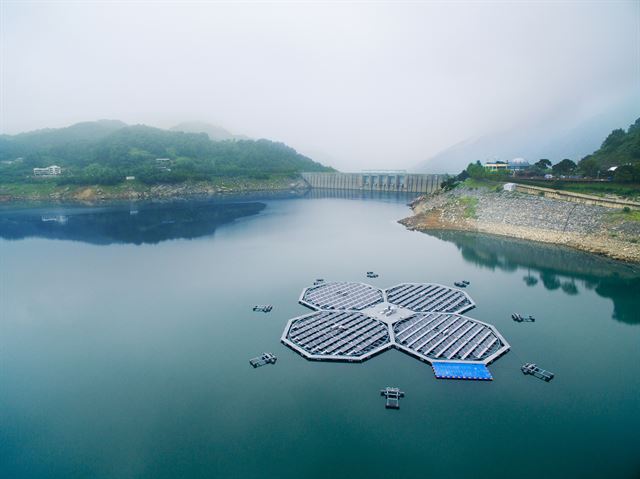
<point x="422" y="319"/>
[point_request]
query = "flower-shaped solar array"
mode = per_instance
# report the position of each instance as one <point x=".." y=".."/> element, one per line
<point x="354" y="321"/>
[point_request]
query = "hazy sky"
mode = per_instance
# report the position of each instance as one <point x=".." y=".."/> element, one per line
<point x="355" y="84"/>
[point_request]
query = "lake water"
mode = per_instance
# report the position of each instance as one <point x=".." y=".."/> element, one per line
<point x="126" y="332"/>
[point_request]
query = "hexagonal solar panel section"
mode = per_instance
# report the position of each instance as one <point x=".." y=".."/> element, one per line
<point x="354" y="321"/>
<point x="336" y="335"/>
<point x="354" y="296"/>
<point x="438" y="336"/>
<point x="421" y="297"/>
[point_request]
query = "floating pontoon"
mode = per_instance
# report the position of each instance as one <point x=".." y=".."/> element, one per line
<point x="393" y="396"/>
<point x="263" y="308"/>
<point x="534" y="370"/>
<point x="522" y="319"/>
<point x="455" y="370"/>
<point x="265" y="358"/>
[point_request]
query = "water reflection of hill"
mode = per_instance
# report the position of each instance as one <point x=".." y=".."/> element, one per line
<point x="363" y="194"/>
<point x="554" y="268"/>
<point x="136" y="223"/>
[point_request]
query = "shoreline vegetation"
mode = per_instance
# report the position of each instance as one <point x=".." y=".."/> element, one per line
<point x="108" y="159"/>
<point x="49" y="190"/>
<point x="484" y="207"/>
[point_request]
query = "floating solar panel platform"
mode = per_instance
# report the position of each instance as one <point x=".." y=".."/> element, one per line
<point x="429" y="297"/>
<point x="447" y="336"/>
<point x="337" y="295"/>
<point x="477" y="371"/>
<point x="354" y="321"/>
<point x="337" y="335"/>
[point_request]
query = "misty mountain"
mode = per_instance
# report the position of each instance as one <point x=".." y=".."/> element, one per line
<point x="551" y="141"/>
<point x="99" y="152"/>
<point x="30" y="142"/>
<point x="215" y="133"/>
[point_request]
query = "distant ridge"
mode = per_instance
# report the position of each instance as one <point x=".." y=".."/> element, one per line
<point x="86" y="131"/>
<point x="545" y="140"/>
<point x="215" y="133"/>
<point x="107" y="151"/>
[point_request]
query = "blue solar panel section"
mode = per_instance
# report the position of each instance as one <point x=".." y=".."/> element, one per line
<point x="445" y="370"/>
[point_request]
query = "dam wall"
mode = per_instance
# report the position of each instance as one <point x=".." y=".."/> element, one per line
<point x="376" y="181"/>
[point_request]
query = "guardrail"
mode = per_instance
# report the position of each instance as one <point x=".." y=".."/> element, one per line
<point x="577" y="197"/>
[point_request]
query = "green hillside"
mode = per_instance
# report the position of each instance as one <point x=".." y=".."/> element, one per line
<point x="105" y="152"/>
<point x="621" y="149"/>
<point x="12" y="146"/>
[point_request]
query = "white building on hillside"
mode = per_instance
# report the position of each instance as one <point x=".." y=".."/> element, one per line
<point x="496" y="165"/>
<point x="518" y="164"/>
<point x="52" y="170"/>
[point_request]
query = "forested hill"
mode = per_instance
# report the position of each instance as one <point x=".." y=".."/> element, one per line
<point x="619" y="148"/>
<point x="108" y="151"/>
<point x="23" y="144"/>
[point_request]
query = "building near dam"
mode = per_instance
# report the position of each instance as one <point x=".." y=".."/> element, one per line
<point x="376" y="180"/>
<point x="53" y="170"/>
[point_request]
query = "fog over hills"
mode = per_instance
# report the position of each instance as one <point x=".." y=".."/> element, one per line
<point x="551" y="140"/>
<point x="108" y="151"/>
<point x="53" y="137"/>
<point x="215" y="133"/>
<point x="360" y="85"/>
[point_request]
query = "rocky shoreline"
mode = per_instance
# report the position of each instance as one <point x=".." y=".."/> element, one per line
<point x="137" y="191"/>
<point x="594" y="229"/>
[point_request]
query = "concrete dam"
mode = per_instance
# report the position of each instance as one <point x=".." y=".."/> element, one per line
<point x="376" y="181"/>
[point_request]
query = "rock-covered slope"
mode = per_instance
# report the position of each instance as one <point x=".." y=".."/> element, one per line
<point x="594" y="229"/>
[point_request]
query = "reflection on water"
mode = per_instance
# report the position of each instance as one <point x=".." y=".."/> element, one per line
<point x="153" y="222"/>
<point x="137" y="224"/>
<point x="546" y="266"/>
<point x="131" y="346"/>
<point x="384" y="196"/>
<point x="554" y="268"/>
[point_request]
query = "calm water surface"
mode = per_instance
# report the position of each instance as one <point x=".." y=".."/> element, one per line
<point x="126" y="332"/>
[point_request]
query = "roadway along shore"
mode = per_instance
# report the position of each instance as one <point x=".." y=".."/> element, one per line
<point x="610" y="232"/>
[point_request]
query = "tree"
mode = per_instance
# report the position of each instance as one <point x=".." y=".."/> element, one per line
<point x="615" y="138"/>
<point x="543" y="164"/>
<point x="462" y="176"/>
<point x="589" y="166"/>
<point x="634" y="126"/>
<point x="564" y="167"/>
<point x="449" y="184"/>
<point x="476" y="170"/>
<point x="625" y="173"/>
